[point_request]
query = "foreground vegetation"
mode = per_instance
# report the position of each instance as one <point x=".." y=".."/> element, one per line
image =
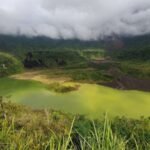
<point x="25" y="128"/>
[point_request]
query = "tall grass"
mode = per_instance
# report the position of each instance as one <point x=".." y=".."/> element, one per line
<point x="102" y="139"/>
<point x="98" y="139"/>
<point x="104" y="134"/>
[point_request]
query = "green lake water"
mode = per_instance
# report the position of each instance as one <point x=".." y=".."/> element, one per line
<point x="90" y="99"/>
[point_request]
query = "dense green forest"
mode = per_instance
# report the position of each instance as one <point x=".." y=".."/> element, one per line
<point x="23" y="43"/>
<point x="132" y="48"/>
<point x="120" y="47"/>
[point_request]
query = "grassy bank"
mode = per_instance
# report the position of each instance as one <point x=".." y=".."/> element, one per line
<point x="25" y="128"/>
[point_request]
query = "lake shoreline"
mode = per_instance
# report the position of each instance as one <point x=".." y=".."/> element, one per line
<point x="99" y="100"/>
<point x="123" y="82"/>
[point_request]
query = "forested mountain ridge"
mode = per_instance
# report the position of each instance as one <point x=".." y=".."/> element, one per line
<point x="9" y="42"/>
<point x="135" y="47"/>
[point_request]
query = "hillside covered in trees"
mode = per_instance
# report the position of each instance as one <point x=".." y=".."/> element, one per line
<point x="136" y="47"/>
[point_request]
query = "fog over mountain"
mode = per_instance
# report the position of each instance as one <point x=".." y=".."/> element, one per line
<point x="67" y="19"/>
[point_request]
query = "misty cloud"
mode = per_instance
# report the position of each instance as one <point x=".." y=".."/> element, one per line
<point x="82" y="19"/>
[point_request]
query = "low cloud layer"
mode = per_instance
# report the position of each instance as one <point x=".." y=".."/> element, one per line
<point x="82" y="19"/>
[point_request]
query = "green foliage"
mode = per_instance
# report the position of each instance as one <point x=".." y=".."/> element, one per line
<point x="24" y="128"/>
<point x="93" y="53"/>
<point x="134" y="48"/>
<point x="92" y="75"/>
<point x="136" y="68"/>
<point x="22" y="44"/>
<point x="52" y="58"/>
<point x="135" y="54"/>
<point x="9" y="65"/>
<point x="83" y="74"/>
<point x="136" y="130"/>
<point x="60" y="88"/>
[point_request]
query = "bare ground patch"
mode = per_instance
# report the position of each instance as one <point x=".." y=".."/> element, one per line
<point x="40" y="76"/>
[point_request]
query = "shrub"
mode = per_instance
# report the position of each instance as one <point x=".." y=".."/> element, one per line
<point x="60" y="88"/>
<point x="9" y="65"/>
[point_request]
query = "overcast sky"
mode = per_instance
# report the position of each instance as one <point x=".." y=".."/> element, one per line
<point x="83" y="19"/>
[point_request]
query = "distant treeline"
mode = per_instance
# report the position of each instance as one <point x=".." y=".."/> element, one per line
<point x="23" y="43"/>
<point x="137" y="47"/>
